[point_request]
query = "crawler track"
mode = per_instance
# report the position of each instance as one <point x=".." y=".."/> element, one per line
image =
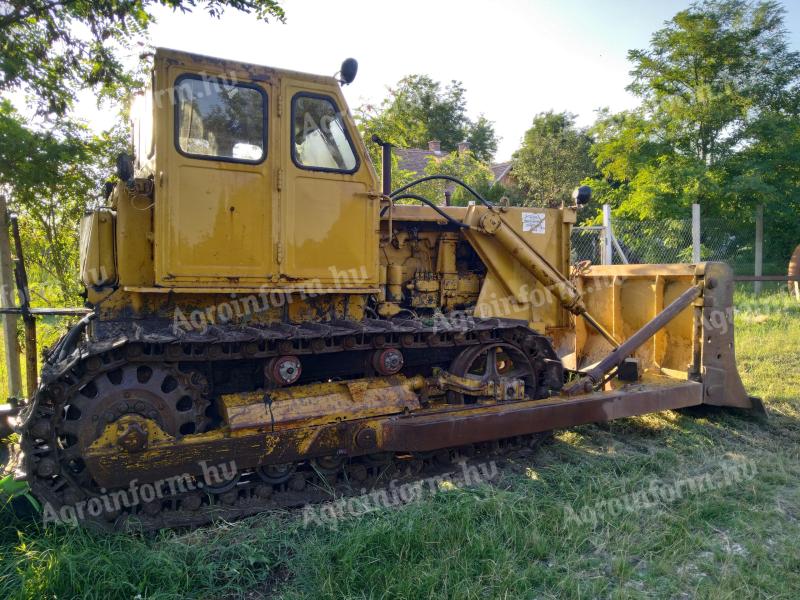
<point x="177" y="378"/>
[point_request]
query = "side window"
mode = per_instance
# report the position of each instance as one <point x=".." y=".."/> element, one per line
<point x="142" y="125"/>
<point x="218" y="120"/>
<point x="320" y="138"/>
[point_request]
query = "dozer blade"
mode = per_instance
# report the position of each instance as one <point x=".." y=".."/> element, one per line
<point x="695" y="345"/>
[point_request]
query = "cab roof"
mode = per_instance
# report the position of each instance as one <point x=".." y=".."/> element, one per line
<point x="197" y="62"/>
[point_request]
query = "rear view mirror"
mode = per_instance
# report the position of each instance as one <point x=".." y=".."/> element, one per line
<point x="582" y="195"/>
<point x="348" y="71"/>
<point x="125" y="167"/>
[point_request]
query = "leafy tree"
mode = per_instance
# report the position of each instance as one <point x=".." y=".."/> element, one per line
<point x="52" y="175"/>
<point x="53" y="48"/>
<point x="718" y="123"/>
<point x="712" y="71"/>
<point x="482" y="139"/>
<point x="419" y="110"/>
<point x="553" y="159"/>
<point x="463" y="165"/>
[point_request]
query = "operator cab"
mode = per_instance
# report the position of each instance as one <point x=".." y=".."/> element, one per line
<point x="260" y="177"/>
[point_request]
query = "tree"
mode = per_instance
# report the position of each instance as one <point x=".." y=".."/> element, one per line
<point x="52" y="175"/>
<point x="710" y="80"/>
<point x="465" y="166"/>
<point x="482" y="139"/>
<point x="718" y="123"/>
<point x="552" y="161"/>
<point x="53" y="48"/>
<point x="419" y="110"/>
<point x="714" y="70"/>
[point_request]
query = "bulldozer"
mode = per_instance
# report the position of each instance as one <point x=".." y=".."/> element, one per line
<point x="259" y="298"/>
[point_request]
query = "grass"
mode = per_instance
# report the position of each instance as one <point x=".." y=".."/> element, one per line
<point x="513" y="539"/>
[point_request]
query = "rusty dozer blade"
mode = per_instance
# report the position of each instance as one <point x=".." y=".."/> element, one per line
<point x="618" y="312"/>
<point x="686" y="312"/>
<point x="611" y="363"/>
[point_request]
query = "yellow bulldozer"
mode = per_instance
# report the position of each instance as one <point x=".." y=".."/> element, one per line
<point x="259" y="299"/>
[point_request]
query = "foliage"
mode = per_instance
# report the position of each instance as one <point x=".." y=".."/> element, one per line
<point x="465" y="166"/>
<point x="50" y="177"/>
<point x="419" y="109"/>
<point x="714" y="70"/>
<point x="53" y="49"/>
<point x="482" y="139"/>
<point x="553" y="159"/>
<point x="718" y="124"/>
<point x="11" y="489"/>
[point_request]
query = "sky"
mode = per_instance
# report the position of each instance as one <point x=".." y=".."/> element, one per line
<point x="516" y="58"/>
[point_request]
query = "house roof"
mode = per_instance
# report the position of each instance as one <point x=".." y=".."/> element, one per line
<point x="415" y="159"/>
<point x="500" y="170"/>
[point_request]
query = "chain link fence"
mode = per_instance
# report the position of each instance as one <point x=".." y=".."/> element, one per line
<point x="670" y="241"/>
<point x="587" y="244"/>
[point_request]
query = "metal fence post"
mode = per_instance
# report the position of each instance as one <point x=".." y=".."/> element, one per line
<point x="696" y="257"/>
<point x="759" y="266"/>
<point x="7" y="301"/>
<point x="608" y="248"/>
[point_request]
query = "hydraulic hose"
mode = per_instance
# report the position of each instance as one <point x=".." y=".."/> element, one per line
<point x="70" y="340"/>
<point x="424" y="200"/>
<point x="472" y="191"/>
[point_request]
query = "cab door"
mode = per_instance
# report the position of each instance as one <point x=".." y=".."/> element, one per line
<point x="330" y="221"/>
<point x="216" y="209"/>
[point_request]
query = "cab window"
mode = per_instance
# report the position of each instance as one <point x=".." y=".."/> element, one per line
<point x="219" y="120"/>
<point x="142" y="126"/>
<point x="320" y="139"/>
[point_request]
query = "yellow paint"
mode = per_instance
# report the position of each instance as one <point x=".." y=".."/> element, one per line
<point x="98" y="257"/>
<point x="320" y="403"/>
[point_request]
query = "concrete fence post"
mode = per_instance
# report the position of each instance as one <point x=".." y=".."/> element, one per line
<point x="759" y="266"/>
<point x="696" y="255"/>
<point x="608" y="241"/>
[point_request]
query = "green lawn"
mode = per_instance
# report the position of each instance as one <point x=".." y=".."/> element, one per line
<point x="515" y="539"/>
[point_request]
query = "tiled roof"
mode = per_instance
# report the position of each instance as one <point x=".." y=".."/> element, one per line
<point x="500" y="170"/>
<point x="415" y="159"/>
